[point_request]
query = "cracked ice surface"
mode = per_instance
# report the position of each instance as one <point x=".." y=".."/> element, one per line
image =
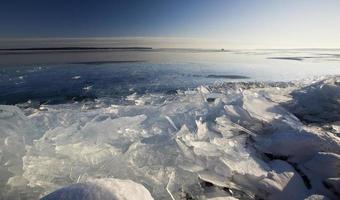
<point x="227" y="141"/>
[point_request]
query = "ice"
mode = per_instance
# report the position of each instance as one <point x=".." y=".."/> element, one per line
<point x="331" y="160"/>
<point x="102" y="189"/>
<point x="318" y="102"/>
<point x="333" y="184"/>
<point x="76" y="77"/>
<point x="298" y="145"/>
<point x="283" y="182"/>
<point x="316" y="197"/>
<point x="319" y="177"/>
<point x="16" y="133"/>
<point x="223" y="141"/>
<point x="222" y="198"/>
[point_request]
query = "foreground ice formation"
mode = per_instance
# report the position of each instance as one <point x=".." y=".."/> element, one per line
<point x="226" y="141"/>
<point x="102" y="189"/>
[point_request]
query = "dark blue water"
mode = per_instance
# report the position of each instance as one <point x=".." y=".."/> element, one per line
<point x="118" y="74"/>
<point x="75" y="82"/>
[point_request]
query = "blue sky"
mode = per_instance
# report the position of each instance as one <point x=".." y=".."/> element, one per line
<point x="272" y="23"/>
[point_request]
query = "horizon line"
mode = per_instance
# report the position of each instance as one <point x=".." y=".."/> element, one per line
<point x="149" y="42"/>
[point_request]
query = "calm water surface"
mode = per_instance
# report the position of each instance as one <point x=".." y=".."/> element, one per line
<point x="55" y="77"/>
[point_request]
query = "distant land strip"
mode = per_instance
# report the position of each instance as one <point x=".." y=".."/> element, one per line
<point x="74" y="48"/>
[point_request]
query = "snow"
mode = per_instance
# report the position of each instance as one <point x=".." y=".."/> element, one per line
<point x="102" y="189"/>
<point x="224" y="141"/>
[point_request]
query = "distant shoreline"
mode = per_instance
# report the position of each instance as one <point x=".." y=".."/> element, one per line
<point x="75" y="48"/>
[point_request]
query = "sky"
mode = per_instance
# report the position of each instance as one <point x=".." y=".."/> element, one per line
<point x="174" y="23"/>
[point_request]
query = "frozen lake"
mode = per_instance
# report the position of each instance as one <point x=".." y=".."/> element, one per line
<point x="170" y="124"/>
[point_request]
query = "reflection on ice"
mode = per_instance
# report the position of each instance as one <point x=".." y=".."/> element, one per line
<point x="231" y="141"/>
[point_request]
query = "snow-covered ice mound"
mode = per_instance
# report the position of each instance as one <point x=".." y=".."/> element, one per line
<point x="227" y="141"/>
<point x="102" y="189"/>
<point x="318" y="102"/>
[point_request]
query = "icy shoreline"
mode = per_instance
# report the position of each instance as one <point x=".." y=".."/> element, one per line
<point x="235" y="140"/>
